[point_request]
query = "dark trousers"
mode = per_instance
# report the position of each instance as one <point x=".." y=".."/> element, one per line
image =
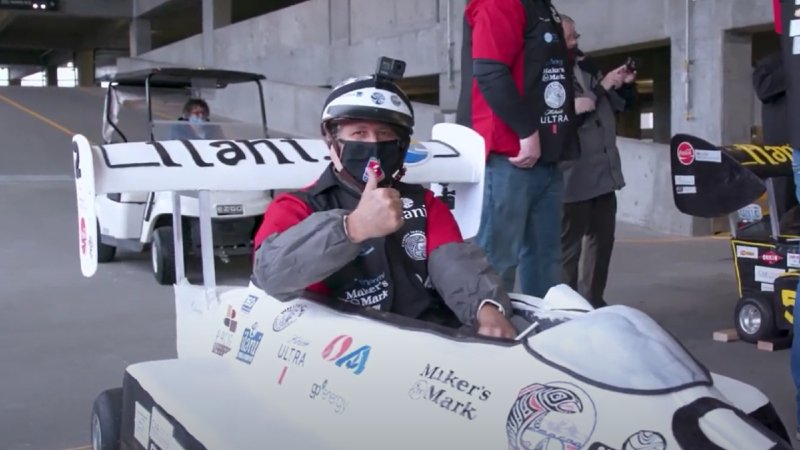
<point x="587" y="229"/>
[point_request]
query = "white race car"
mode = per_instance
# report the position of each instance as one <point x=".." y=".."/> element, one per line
<point x="256" y="373"/>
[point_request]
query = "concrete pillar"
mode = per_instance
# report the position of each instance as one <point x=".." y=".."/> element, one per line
<point x="51" y="75"/>
<point x="339" y="21"/>
<point x="737" y="88"/>
<point x="141" y="40"/>
<point x="662" y="114"/>
<point x="216" y="14"/>
<point x="84" y="61"/>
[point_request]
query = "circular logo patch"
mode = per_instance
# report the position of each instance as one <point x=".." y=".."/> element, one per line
<point x="415" y="244"/>
<point x="555" y="95"/>
<point x="378" y="98"/>
<point x="395" y="100"/>
<point x="407" y="203"/>
<point x="685" y="153"/>
<point x="645" y="440"/>
<point x="287" y="317"/>
<point x="548" y="37"/>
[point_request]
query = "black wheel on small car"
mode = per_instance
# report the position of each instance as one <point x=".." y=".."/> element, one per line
<point x="754" y="319"/>
<point x="105" y="252"/>
<point x="107" y="420"/>
<point x="162" y="251"/>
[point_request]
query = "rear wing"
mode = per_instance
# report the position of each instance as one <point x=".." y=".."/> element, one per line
<point x="711" y="181"/>
<point x="453" y="161"/>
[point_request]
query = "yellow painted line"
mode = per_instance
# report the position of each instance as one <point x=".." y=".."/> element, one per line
<point x="33" y="113"/>
<point x="92" y="92"/>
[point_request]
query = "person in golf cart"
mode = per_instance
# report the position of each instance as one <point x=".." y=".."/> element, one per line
<point x="361" y="236"/>
<point x="195" y="124"/>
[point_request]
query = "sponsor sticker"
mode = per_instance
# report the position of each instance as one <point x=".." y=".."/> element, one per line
<point x="767" y="274"/>
<point x="141" y="424"/>
<point x="249" y="302"/>
<point x="685" y="180"/>
<point x="685" y="153"/>
<point x="551" y="415"/>
<point x="766" y="287"/>
<point x="745" y="251"/>
<point x="322" y="392"/>
<point x="407" y="203"/>
<point x="449" y="391"/>
<point x="750" y="213"/>
<point x="160" y="429"/>
<point x="251" y="339"/>
<point x="771" y="257"/>
<point x="714" y="156"/>
<point x="793" y="260"/>
<point x="287" y="317"/>
<point x="337" y="350"/>
<point x="685" y="189"/>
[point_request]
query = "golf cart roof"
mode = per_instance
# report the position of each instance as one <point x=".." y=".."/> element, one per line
<point x="180" y="77"/>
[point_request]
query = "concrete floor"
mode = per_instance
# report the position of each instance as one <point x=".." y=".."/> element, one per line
<point x="64" y="338"/>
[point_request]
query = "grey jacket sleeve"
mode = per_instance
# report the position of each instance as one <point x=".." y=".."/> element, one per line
<point x="464" y="278"/>
<point x="286" y="263"/>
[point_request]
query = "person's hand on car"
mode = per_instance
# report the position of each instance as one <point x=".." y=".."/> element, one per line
<point x="529" y="152"/>
<point x="379" y="212"/>
<point x="492" y="322"/>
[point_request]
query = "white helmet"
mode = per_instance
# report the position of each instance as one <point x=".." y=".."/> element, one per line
<point x="369" y="98"/>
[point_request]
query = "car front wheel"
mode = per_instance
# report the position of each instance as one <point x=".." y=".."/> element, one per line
<point x="106" y="420"/>
<point x="162" y="251"/>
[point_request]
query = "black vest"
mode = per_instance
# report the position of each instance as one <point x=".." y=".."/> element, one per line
<point x="370" y="280"/>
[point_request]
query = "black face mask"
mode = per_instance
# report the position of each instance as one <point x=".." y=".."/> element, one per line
<point x="387" y="157"/>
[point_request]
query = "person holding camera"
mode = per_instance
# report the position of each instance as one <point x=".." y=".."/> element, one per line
<point x="360" y="236"/>
<point x="591" y="182"/>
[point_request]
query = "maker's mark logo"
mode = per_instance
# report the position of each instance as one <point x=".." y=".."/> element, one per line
<point x="449" y="391"/>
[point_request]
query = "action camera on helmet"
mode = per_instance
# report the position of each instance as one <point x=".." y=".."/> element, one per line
<point x="390" y="69"/>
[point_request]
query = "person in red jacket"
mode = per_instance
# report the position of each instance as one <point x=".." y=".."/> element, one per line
<point x="361" y="236"/>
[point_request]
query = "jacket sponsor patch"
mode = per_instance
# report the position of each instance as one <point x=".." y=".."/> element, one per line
<point x="415" y="245"/>
<point x="745" y="251"/>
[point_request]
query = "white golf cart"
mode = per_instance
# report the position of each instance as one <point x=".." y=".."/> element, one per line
<point x="134" y="221"/>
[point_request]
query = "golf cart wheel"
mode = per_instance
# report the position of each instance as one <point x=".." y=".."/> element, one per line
<point x="105" y="252"/>
<point x="754" y="319"/>
<point x="107" y="420"/>
<point x="163" y="255"/>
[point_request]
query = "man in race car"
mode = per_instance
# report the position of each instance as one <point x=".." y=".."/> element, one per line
<point x="361" y="236"/>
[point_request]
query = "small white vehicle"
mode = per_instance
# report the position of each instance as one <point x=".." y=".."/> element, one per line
<point x="253" y="372"/>
<point x="134" y="221"/>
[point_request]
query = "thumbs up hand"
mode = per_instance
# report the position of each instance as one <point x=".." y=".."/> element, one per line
<point x="379" y="212"/>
